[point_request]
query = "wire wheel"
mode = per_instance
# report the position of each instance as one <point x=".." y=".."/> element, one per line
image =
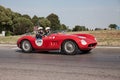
<point x="69" y="47"/>
<point x="26" y="46"/>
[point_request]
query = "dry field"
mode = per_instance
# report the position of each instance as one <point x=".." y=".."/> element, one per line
<point x="9" y="39"/>
<point x="104" y="37"/>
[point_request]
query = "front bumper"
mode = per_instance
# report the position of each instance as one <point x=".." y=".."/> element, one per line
<point x="87" y="45"/>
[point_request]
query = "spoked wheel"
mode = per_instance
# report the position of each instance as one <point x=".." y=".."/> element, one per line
<point x="69" y="48"/>
<point x="26" y="46"/>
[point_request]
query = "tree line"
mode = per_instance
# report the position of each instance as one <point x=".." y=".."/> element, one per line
<point x="15" y="23"/>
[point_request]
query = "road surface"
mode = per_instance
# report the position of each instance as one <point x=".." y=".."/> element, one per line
<point x="100" y="64"/>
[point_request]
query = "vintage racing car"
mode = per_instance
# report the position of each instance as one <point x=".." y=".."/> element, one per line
<point x="69" y="44"/>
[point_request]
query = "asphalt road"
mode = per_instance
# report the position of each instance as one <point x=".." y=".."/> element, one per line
<point x="100" y="64"/>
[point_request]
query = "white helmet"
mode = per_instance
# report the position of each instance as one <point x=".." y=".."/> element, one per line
<point x="40" y="28"/>
<point x="47" y="28"/>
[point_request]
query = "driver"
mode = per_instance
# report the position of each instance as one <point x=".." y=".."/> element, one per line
<point x="47" y="31"/>
<point x="40" y="33"/>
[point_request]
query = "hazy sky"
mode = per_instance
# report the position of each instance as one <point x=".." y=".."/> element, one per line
<point x="89" y="13"/>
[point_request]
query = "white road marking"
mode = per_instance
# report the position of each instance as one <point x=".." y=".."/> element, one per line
<point x="11" y="45"/>
<point x="15" y="48"/>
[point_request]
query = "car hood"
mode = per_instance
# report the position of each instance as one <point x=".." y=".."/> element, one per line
<point x="82" y="36"/>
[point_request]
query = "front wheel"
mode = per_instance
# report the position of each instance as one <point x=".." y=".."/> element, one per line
<point x="26" y="46"/>
<point x="69" y="47"/>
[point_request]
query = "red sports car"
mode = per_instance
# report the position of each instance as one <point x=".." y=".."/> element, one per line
<point x="66" y="43"/>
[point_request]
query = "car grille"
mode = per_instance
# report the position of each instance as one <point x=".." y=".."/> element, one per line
<point x="92" y="45"/>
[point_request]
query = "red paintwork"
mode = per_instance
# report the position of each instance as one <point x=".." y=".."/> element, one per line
<point x="54" y="41"/>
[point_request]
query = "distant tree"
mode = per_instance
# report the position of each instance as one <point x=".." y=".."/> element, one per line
<point x="55" y="22"/>
<point x="5" y="19"/>
<point x="44" y="22"/>
<point x="69" y="30"/>
<point x="22" y="25"/>
<point x="63" y="27"/>
<point x="80" y="28"/>
<point x="26" y="16"/>
<point x="13" y="22"/>
<point x="105" y="28"/>
<point x="87" y="29"/>
<point x="17" y="14"/>
<point x="35" y="20"/>
<point x="98" y="29"/>
<point x="112" y="26"/>
<point x="2" y="9"/>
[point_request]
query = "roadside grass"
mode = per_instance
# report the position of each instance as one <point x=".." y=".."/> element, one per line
<point x="104" y="37"/>
<point x="9" y="39"/>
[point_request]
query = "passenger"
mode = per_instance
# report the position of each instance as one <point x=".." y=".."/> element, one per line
<point x="47" y="31"/>
<point x="40" y="33"/>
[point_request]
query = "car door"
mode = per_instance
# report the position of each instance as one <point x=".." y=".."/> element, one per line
<point x="46" y="42"/>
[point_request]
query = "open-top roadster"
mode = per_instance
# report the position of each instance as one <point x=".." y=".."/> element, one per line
<point x="65" y="43"/>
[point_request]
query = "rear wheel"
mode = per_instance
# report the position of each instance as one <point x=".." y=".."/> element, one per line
<point x="26" y="46"/>
<point x="69" y="47"/>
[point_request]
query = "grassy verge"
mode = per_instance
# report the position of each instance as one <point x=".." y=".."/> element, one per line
<point x="9" y="39"/>
<point x="104" y="38"/>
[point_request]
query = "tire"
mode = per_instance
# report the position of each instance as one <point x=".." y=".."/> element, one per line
<point x="26" y="46"/>
<point x="69" y="48"/>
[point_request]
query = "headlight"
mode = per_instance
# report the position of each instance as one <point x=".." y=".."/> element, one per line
<point x="83" y="42"/>
<point x="95" y="39"/>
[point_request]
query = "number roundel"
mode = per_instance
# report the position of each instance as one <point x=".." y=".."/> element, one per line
<point x="39" y="42"/>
